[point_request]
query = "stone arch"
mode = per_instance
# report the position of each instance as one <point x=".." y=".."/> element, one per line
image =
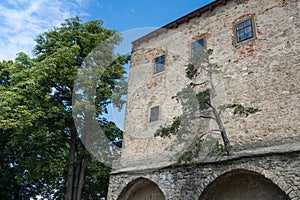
<point x="242" y="185"/>
<point x="141" y="189"/>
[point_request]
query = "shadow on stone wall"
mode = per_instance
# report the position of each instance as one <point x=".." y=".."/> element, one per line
<point x="141" y="189"/>
<point x="243" y="185"/>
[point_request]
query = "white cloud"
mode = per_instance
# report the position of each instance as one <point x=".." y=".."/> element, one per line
<point x="22" y="20"/>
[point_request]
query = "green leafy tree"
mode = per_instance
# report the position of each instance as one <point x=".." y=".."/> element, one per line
<point x="41" y="149"/>
<point x="28" y="145"/>
<point x="197" y="103"/>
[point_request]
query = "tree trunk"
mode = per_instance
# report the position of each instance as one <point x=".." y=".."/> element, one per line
<point x="223" y="131"/>
<point x="84" y="163"/>
<point x="76" y="177"/>
<point x="70" y="177"/>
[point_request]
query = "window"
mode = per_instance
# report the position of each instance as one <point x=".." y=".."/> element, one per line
<point x="159" y="64"/>
<point x="244" y="30"/>
<point x="197" y="46"/>
<point x="154" y="113"/>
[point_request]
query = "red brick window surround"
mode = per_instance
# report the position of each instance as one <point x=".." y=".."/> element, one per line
<point x="159" y="64"/>
<point x="244" y="30"/>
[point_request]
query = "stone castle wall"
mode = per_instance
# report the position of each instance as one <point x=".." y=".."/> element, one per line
<point x="177" y="183"/>
<point x="262" y="73"/>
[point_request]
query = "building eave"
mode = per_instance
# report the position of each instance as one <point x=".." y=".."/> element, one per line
<point x="185" y="19"/>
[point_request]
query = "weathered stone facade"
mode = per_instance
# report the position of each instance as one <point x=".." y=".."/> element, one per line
<point x="280" y="170"/>
<point x="261" y="72"/>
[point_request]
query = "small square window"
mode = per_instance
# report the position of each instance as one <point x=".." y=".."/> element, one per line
<point x="159" y="64"/>
<point x="244" y="30"/>
<point x="197" y="46"/>
<point x="154" y="113"/>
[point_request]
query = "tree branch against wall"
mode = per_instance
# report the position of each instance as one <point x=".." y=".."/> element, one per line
<point x="198" y="105"/>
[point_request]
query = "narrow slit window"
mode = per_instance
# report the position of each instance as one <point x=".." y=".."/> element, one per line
<point x="197" y="46"/>
<point x="244" y="30"/>
<point x="154" y="114"/>
<point x="159" y="64"/>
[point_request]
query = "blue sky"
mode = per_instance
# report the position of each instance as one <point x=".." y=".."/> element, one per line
<point x="22" y="20"/>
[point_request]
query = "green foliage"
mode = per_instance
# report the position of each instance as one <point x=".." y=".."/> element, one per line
<point x="189" y="156"/>
<point x="186" y="157"/>
<point x="170" y="130"/>
<point x="28" y="149"/>
<point x="203" y="98"/>
<point x="96" y="181"/>
<point x="112" y="132"/>
<point x="209" y="52"/>
<point x="240" y="109"/>
<point x="36" y="111"/>
<point x="213" y="145"/>
<point x="220" y="149"/>
<point x="199" y="146"/>
<point x="187" y="98"/>
<point x="190" y="71"/>
<point x="198" y="104"/>
<point x="199" y="63"/>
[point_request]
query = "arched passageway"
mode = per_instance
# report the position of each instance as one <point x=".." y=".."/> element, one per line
<point x="141" y="189"/>
<point x="243" y="185"/>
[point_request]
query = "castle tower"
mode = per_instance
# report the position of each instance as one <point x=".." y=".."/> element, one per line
<point x="255" y="46"/>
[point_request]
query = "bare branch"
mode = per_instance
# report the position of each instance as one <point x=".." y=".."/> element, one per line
<point x="210" y="105"/>
<point x="220" y="111"/>
<point x="206" y="117"/>
<point x="197" y="84"/>
<point x="215" y="130"/>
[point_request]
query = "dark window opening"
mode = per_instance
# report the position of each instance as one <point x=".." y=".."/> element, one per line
<point x="154" y="113"/>
<point x="197" y="46"/>
<point x="244" y="30"/>
<point x="159" y="65"/>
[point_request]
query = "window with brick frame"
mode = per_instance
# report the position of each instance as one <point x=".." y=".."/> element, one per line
<point x="197" y="46"/>
<point x="244" y="30"/>
<point x="154" y="113"/>
<point x="159" y="64"/>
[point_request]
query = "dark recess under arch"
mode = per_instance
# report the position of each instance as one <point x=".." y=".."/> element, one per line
<point x="141" y="189"/>
<point x="242" y="185"/>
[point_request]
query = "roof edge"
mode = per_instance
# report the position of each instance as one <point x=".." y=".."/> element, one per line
<point x="186" y="18"/>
